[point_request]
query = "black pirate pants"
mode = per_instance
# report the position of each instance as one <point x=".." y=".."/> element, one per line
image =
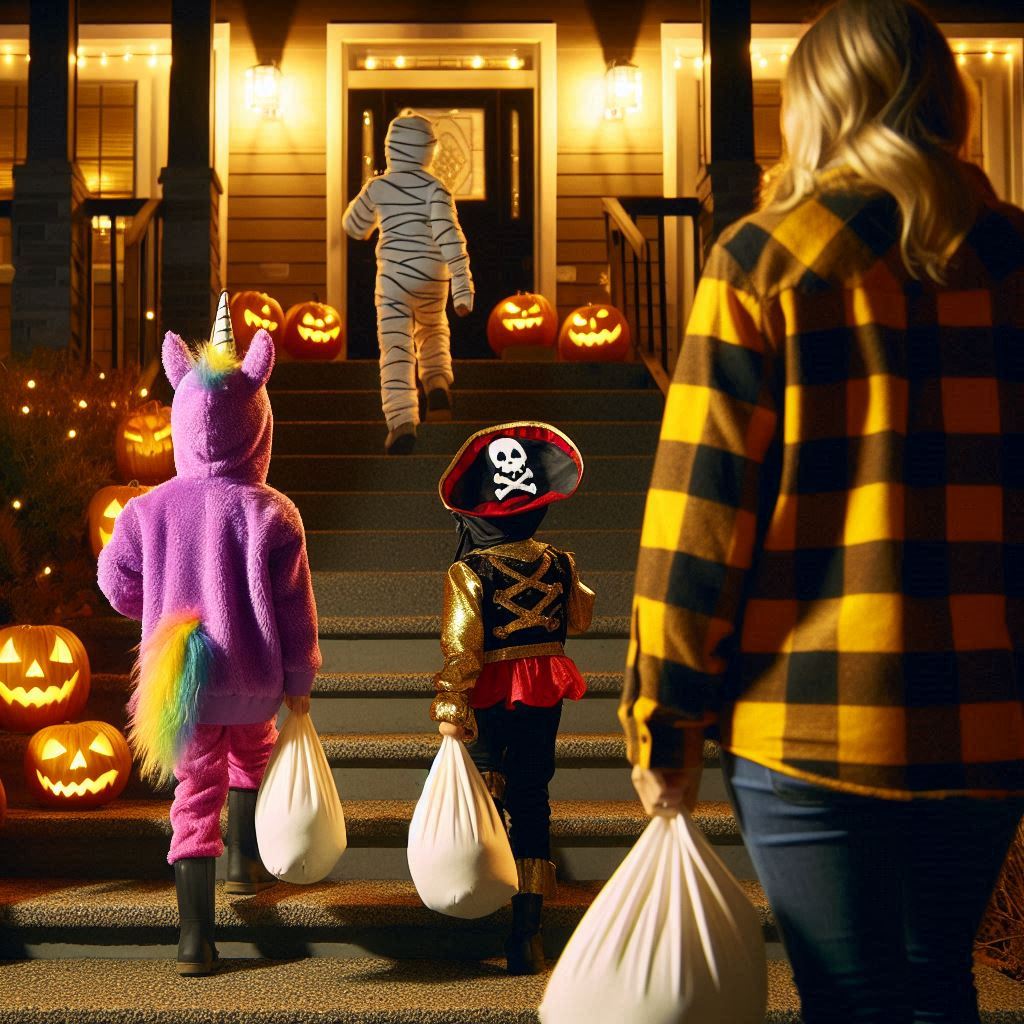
<point x="519" y="743"/>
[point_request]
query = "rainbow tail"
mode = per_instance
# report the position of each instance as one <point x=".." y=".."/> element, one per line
<point x="170" y="673"/>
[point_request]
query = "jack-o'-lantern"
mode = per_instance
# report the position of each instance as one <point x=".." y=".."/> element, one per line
<point x="251" y="311"/>
<point x="77" y="765"/>
<point x="595" y="334"/>
<point x="143" y="445"/>
<point x="106" y="505"/>
<point x="313" y="330"/>
<point x="522" y="319"/>
<point x="44" y="676"/>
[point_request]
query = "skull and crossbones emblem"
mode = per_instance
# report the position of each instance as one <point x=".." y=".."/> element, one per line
<point x="508" y="457"/>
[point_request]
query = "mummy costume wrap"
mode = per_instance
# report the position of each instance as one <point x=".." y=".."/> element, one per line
<point x="420" y="250"/>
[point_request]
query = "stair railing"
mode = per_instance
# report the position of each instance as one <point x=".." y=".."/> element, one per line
<point x="637" y="264"/>
<point x="124" y="238"/>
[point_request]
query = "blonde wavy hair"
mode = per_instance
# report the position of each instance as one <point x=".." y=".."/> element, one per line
<point x="874" y="86"/>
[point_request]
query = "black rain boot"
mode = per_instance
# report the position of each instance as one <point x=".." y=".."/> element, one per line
<point x="524" y="948"/>
<point x="246" y="873"/>
<point x="194" y="881"/>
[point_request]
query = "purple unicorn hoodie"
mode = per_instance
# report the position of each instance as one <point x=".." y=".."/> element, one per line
<point x="213" y="562"/>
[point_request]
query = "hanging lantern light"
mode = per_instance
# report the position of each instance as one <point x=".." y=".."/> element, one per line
<point x="623" y="90"/>
<point x="263" y="90"/>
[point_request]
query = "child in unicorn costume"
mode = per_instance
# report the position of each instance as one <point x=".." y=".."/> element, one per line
<point x="420" y="249"/>
<point x="214" y="564"/>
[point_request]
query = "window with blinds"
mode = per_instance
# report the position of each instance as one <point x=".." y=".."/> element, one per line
<point x="13" y="132"/>
<point x="105" y="144"/>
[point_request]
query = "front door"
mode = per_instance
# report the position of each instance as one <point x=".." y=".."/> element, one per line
<point x="485" y="159"/>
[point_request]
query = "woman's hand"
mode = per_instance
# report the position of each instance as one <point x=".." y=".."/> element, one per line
<point x="455" y="731"/>
<point x="297" y="705"/>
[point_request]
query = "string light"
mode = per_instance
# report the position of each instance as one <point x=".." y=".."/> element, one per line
<point x="47" y="570"/>
<point x="72" y="434"/>
<point x="113" y="405"/>
<point x="150" y="315"/>
<point x="103" y="60"/>
<point x="128" y="56"/>
<point x="143" y="392"/>
<point x="515" y="62"/>
<point x="698" y="63"/>
<point x="103" y="376"/>
<point x="25" y="410"/>
<point x="399" y="61"/>
<point x="477" y="62"/>
<point x="30" y="384"/>
<point x="16" y="504"/>
<point x="83" y="404"/>
<point x="371" y="63"/>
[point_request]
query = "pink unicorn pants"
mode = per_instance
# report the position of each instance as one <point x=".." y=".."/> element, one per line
<point x="219" y="757"/>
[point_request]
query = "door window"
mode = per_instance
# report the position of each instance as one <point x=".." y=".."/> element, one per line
<point x="459" y="160"/>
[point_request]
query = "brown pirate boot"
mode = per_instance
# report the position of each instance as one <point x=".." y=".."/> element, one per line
<point x="524" y="947"/>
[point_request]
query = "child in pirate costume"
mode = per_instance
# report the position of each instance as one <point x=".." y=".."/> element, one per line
<point x="213" y="562"/>
<point x="509" y="602"/>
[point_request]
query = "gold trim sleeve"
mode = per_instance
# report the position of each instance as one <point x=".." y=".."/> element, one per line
<point x="462" y="646"/>
<point x="581" y="600"/>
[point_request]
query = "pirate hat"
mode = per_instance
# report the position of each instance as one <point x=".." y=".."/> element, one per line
<point x="511" y="468"/>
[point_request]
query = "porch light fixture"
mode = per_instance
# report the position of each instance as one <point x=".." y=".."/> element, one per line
<point x="623" y="90"/>
<point x="263" y="90"/>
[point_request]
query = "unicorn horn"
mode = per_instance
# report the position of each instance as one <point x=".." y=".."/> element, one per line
<point x="222" y="336"/>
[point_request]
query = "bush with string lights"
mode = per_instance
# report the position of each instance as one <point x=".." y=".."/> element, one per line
<point x="57" y="426"/>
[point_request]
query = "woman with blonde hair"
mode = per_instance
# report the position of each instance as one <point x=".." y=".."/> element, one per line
<point x="831" y="574"/>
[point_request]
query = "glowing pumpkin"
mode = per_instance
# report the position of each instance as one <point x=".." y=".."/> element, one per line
<point x="76" y="765"/>
<point x="313" y="330"/>
<point x="106" y="505"/>
<point x="143" y="445"/>
<point x="3" y="805"/>
<point x="251" y="311"/>
<point x="596" y="334"/>
<point x="522" y="319"/>
<point x="44" y="676"/>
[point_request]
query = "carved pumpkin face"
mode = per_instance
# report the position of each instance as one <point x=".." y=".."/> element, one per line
<point x="521" y="319"/>
<point x="313" y="330"/>
<point x="78" y="765"/>
<point x="106" y="505"/>
<point x="594" y="334"/>
<point x="44" y="676"/>
<point x="251" y="311"/>
<point x="143" y="444"/>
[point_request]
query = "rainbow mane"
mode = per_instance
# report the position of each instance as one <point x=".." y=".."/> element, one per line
<point x="171" y="671"/>
<point x="214" y="363"/>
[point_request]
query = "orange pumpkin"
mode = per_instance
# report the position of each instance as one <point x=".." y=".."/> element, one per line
<point x="594" y="333"/>
<point x="522" y="319"/>
<point x="106" y="505"/>
<point x="44" y="676"/>
<point x="313" y="330"/>
<point x="143" y="445"/>
<point x="251" y="311"/>
<point x="77" y="765"/>
<point x="3" y="805"/>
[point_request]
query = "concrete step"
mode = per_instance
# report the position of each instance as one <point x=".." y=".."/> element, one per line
<point x="343" y="437"/>
<point x="387" y="596"/>
<point x="109" y="640"/>
<point x="323" y="990"/>
<point x="46" y="918"/>
<point x="377" y="550"/>
<point x="129" y="838"/>
<point x="470" y="375"/>
<point x="590" y="509"/>
<point x="496" y="404"/>
<point x="403" y="473"/>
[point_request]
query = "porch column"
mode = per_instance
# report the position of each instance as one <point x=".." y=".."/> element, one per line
<point x="48" y="301"/>
<point x="728" y="189"/>
<point x="190" y="274"/>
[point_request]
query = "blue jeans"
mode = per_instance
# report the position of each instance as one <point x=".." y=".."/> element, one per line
<point x="877" y="901"/>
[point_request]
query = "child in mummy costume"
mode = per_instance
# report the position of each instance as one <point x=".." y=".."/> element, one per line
<point x="509" y="602"/>
<point x="420" y="249"/>
<point x="214" y="564"/>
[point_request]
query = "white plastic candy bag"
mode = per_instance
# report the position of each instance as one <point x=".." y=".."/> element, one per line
<point x="670" y="939"/>
<point x="459" y="854"/>
<point x="300" y="826"/>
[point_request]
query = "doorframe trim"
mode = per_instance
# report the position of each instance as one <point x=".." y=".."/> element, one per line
<point x="342" y="36"/>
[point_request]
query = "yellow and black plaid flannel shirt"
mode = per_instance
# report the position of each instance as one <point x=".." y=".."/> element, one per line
<point x="831" y="568"/>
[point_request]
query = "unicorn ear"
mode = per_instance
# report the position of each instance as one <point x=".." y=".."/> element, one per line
<point x="259" y="360"/>
<point x="177" y="361"/>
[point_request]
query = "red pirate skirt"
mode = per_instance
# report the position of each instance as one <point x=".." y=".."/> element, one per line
<point x="539" y="682"/>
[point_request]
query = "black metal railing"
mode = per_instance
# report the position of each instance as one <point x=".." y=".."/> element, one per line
<point x="123" y="311"/>
<point x="635" y="236"/>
